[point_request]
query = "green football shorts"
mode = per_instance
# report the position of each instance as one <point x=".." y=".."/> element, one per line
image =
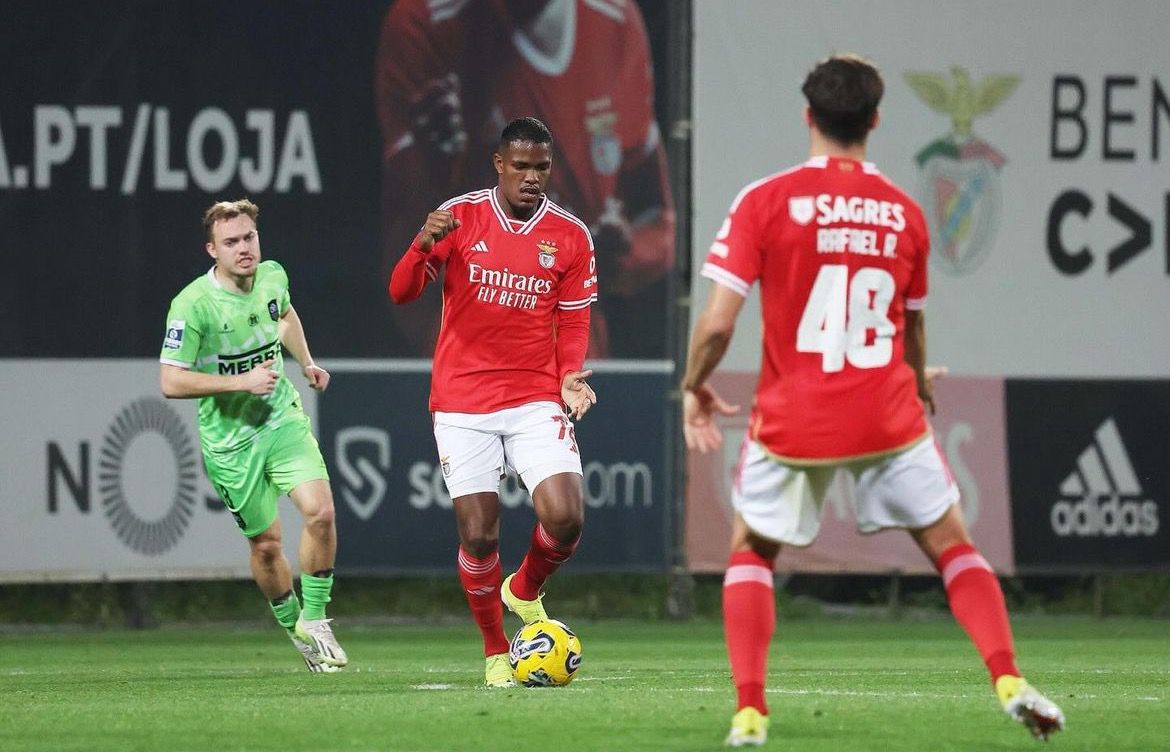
<point x="249" y="480"/>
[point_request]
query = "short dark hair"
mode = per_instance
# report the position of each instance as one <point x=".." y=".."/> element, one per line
<point x="525" y="129"/>
<point x="843" y="92"/>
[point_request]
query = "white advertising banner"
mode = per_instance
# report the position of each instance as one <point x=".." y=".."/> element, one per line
<point x="1036" y="136"/>
<point x="101" y="477"/>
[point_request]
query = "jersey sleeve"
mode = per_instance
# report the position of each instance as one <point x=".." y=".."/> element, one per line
<point x="735" y="258"/>
<point x="408" y="57"/>
<point x="578" y="288"/>
<point x="280" y="278"/>
<point x="637" y="89"/>
<point x="442" y="250"/>
<point x="438" y="256"/>
<point x="917" y="287"/>
<point x="183" y="335"/>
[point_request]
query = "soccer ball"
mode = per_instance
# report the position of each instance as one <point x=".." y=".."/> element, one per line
<point x="545" y="654"/>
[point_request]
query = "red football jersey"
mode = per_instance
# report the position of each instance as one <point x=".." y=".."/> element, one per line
<point x="594" y="92"/>
<point x="504" y="281"/>
<point x="840" y="253"/>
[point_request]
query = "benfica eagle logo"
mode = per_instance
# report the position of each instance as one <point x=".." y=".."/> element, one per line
<point x="959" y="173"/>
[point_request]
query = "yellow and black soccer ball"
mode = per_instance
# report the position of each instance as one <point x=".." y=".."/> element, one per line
<point x="545" y="654"/>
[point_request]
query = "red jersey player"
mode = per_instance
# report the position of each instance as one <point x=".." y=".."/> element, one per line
<point x="451" y="73"/>
<point x="840" y="254"/>
<point x="519" y="281"/>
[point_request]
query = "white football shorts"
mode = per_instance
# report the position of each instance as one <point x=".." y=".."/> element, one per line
<point x="910" y="489"/>
<point x="536" y="440"/>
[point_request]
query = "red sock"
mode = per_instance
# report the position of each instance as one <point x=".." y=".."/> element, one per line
<point x="749" y="620"/>
<point x="544" y="556"/>
<point x="977" y="603"/>
<point x="481" y="584"/>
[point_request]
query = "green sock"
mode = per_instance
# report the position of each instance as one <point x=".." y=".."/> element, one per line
<point x="315" y="590"/>
<point x="286" y="608"/>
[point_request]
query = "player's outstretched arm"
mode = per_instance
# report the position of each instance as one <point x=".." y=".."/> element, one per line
<point x="292" y="336"/>
<point x="915" y="354"/>
<point x="709" y="342"/>
<point x="572" y="328"/>
<point x="181" y="383"/>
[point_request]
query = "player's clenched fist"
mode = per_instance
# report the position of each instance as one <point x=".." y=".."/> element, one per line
<point x="439" y="224"/>
<point x="261" y="379"/>
<point x="436" y="116"/>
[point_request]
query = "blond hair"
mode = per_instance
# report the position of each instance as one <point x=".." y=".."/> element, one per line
<point x="222" y="211"/>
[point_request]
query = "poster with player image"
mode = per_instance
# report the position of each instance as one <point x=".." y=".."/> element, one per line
<point x="450" y="74"/>
<point x="148" y="114"/>
<point x="395" y="515"/>
<point x="1089" y="474"/>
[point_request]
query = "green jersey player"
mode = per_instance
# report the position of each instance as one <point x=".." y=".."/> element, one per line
<point x="223" y="345"/>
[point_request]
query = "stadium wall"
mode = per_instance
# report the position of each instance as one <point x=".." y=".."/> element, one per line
<point x="1036" y="137"/>
<point x="109" y="485"/>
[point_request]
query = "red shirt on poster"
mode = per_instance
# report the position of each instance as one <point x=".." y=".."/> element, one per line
<point x="595" y="92"/>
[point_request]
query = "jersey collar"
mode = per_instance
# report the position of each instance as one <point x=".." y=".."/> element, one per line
<point x="821" y="161"/>
<point x="525" y="228"/>
<point x="557" y="62"/>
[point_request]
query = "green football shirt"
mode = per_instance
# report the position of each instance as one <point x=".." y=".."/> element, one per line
<point x="212" y="330"/>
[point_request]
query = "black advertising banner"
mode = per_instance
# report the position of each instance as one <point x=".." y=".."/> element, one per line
<point x="121" y="122"/>
<point x="1090" y="474"/>
<point x="393" y="511"/>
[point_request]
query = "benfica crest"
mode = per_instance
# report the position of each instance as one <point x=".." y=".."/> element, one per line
<point x="548" y="253"/>
<point x="801" y="209"/>
<point x="959" y="173"/>
<point x="604" y="147"/>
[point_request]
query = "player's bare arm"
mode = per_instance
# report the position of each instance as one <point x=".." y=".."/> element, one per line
<point x="181" y="383"/>
<point x="709" y="342"/>
<point x="915" y="353"/>
<point x="440" y="223"/>
<point x="291" y="332"/>
<point x="576" y="393"/>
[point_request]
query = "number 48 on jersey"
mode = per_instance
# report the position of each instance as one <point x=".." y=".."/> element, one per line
<point x="841" y="312"/>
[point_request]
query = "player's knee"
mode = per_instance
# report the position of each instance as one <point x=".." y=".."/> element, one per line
<point x="564" y="524"/>
<point x="268" y="551"/>
<point x="321" y="516"/>
<point x="479" y="544"/>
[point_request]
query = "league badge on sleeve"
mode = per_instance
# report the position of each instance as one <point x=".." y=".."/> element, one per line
<point x="174" y="338"/>
<point x="273" y="310"/>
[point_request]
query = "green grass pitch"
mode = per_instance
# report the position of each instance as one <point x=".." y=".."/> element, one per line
<point x="834" y="685"/>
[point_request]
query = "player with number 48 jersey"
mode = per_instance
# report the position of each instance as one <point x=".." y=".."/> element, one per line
<point x="840" y="254"/>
